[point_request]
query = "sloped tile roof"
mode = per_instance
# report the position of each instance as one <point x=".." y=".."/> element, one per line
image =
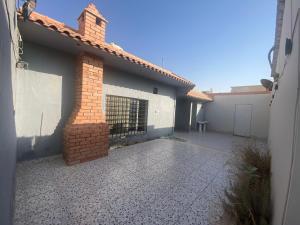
<point x="67" y="31"/>
<point x="199" y="95"/>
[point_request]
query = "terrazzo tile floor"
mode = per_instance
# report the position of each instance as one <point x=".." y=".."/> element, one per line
<point x="162" y="181"/>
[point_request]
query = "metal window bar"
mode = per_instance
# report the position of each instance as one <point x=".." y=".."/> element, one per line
<point x="126" y="116"/>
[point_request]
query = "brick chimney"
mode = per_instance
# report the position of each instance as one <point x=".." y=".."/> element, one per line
<point x="92" y="24"/>
<point x="86" y="132"/>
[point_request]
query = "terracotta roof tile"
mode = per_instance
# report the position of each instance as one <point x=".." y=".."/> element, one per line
<point x="199" y="95"/>
<point x="63" y="29"/>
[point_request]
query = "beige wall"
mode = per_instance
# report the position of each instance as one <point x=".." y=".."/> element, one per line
<point x="220" y="113"/>
<point x="283" y="126"/>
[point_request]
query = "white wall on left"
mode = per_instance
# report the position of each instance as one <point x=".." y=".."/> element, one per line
<point x="43" y="104"/>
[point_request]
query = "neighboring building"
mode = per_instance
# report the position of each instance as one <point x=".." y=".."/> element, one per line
<point x="116" y="93"/>
<point x="250" y="88"/>
<point x="284" y="133"/>
<point x="8" y="59"/>
<point x="240" y="112"/>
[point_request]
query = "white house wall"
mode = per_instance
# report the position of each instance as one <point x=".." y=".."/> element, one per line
<point x="161" y="106"/>
<point x="44" y="100"/>
<point x="45" y="94"/>
<point x="220" y="113"/>
<point x="282" y="122"/>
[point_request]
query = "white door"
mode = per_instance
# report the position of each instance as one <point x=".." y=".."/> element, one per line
<point x="242" y="120"/>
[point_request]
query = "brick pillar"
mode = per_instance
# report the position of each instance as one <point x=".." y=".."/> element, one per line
<point x="86" y="133"/>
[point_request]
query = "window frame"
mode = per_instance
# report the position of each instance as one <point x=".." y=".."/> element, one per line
<point x="126" y="116"/>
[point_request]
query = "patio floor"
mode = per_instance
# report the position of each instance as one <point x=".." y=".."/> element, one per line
<point x="163" y="181"/>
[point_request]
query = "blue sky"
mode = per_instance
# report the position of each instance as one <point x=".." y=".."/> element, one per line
<point x="214" y="43"/>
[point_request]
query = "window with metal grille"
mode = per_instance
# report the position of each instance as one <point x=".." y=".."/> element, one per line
<point x="126" y="116"/>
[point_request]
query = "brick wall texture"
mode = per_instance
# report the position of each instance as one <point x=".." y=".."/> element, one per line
<point x="88" y="26"/>
<point x="86" y="133"/>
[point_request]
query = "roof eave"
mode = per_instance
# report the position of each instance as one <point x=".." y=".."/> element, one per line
<point x="40" y="33"/>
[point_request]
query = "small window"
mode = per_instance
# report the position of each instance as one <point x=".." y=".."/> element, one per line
<point x="98" y="21"/>
<point x="126" y="116"/>
<point x="155" y="91"/>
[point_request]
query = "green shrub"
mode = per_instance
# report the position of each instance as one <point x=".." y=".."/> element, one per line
<point x="248" y="198"/>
